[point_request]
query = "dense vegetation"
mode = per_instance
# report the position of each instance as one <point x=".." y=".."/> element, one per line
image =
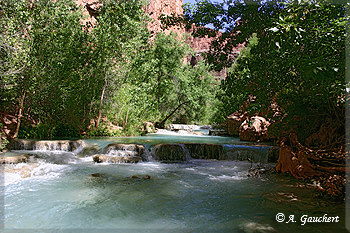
<point x="294" y="58"/>
<point x="63" y="76"/>
<point x="291" y="71"/>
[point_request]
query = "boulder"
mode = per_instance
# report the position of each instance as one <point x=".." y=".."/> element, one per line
<point x="137" y="149"/>
<point x="149" y="127"/>
<point x="88" y="151"/>
<point x="234" y="121"/>
<point x="116" y="159"/>
<point x="254" y="129"/>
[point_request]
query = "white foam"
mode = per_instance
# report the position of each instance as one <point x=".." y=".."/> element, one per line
<point x="251" y="227"/>
<point x="15" y="173"/>
<point x="180" y="132"/>
<point x="225" y="177"/>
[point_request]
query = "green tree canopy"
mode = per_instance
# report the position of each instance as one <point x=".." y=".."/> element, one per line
<point x="62" y="72"/>
<point x="295" y="56"/>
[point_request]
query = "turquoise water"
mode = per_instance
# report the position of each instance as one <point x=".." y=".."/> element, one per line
<point x="201" y="196"/>
<point x="57" y="193"/>
<point x="159" y="139"/>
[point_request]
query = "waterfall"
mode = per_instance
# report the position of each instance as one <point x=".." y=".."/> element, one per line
<point x="148" y="155"/>
<point x="187" y="152"/>
<point x="121" y="153"/>
<point x="59" y="145"/>
<point x="65" y="151"/>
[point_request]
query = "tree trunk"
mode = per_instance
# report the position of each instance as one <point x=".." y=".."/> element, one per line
<point x="101" y="101"/>
<point x="20" y="114"/>
<point x="161" y="124"/>
<point x="126" y="118"/>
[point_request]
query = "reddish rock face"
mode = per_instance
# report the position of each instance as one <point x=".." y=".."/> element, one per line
<point x="199" y="44"/>
<point x="156" y="8"/>
<point x="234" y="121"/>
<point x="254" y="129"/>
<point x="91" y="8"/>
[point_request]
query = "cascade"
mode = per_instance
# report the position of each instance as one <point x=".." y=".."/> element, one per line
<point x="187" y="152"/>
<point x="45" y="145"/>
<point x="65" y="151"/>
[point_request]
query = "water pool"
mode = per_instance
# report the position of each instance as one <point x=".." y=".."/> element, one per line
<point x="197" y="196"/>
<point x="62" y="192"/>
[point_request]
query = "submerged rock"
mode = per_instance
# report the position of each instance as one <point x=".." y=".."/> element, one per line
<point x="218" y="132"/>
<point x="254" y="153"/>
<point x="14" y="159"/>
<point x="146" y="177"/>
<point x="116" y="159"/>
<point x="88" y="151"/>
<point x="95" y="175"/>
<point x="25" y="170"/>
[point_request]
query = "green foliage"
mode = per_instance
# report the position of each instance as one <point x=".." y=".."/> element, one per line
<point x="3" y="139"/>
<point x="61" y="73"/>
<point x="232" y="96"/>
<point x="51" y="47"/>
<point x="295" y="57"/>
<point x="173" y="89"/>
<point x="159" y="85"/>
<point x="103" y="130"/>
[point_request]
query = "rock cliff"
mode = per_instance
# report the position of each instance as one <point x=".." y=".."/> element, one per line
<point x="156" y="8"/>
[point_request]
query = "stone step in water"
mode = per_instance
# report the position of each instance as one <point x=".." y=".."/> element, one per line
<point x="138" y="149"/>
<point x="56" y="145"/>
<point x="122" y="153"/>
<point x="182" y="152"/>
<point x="169" y="153"/>
<point x="256" y="153"/>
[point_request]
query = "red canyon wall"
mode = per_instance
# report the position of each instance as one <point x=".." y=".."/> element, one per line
<point x="155" y="9"/>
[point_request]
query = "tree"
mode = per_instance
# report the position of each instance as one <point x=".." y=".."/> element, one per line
<point x="46" y="40"/>
<point x="297" y="58"/>
<point x="171" y="85"/>
<point x="60" y="73"/>
<point x="120" y="32"/>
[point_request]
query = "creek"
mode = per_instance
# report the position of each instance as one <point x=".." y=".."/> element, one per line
<point x="61" y="189"/>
